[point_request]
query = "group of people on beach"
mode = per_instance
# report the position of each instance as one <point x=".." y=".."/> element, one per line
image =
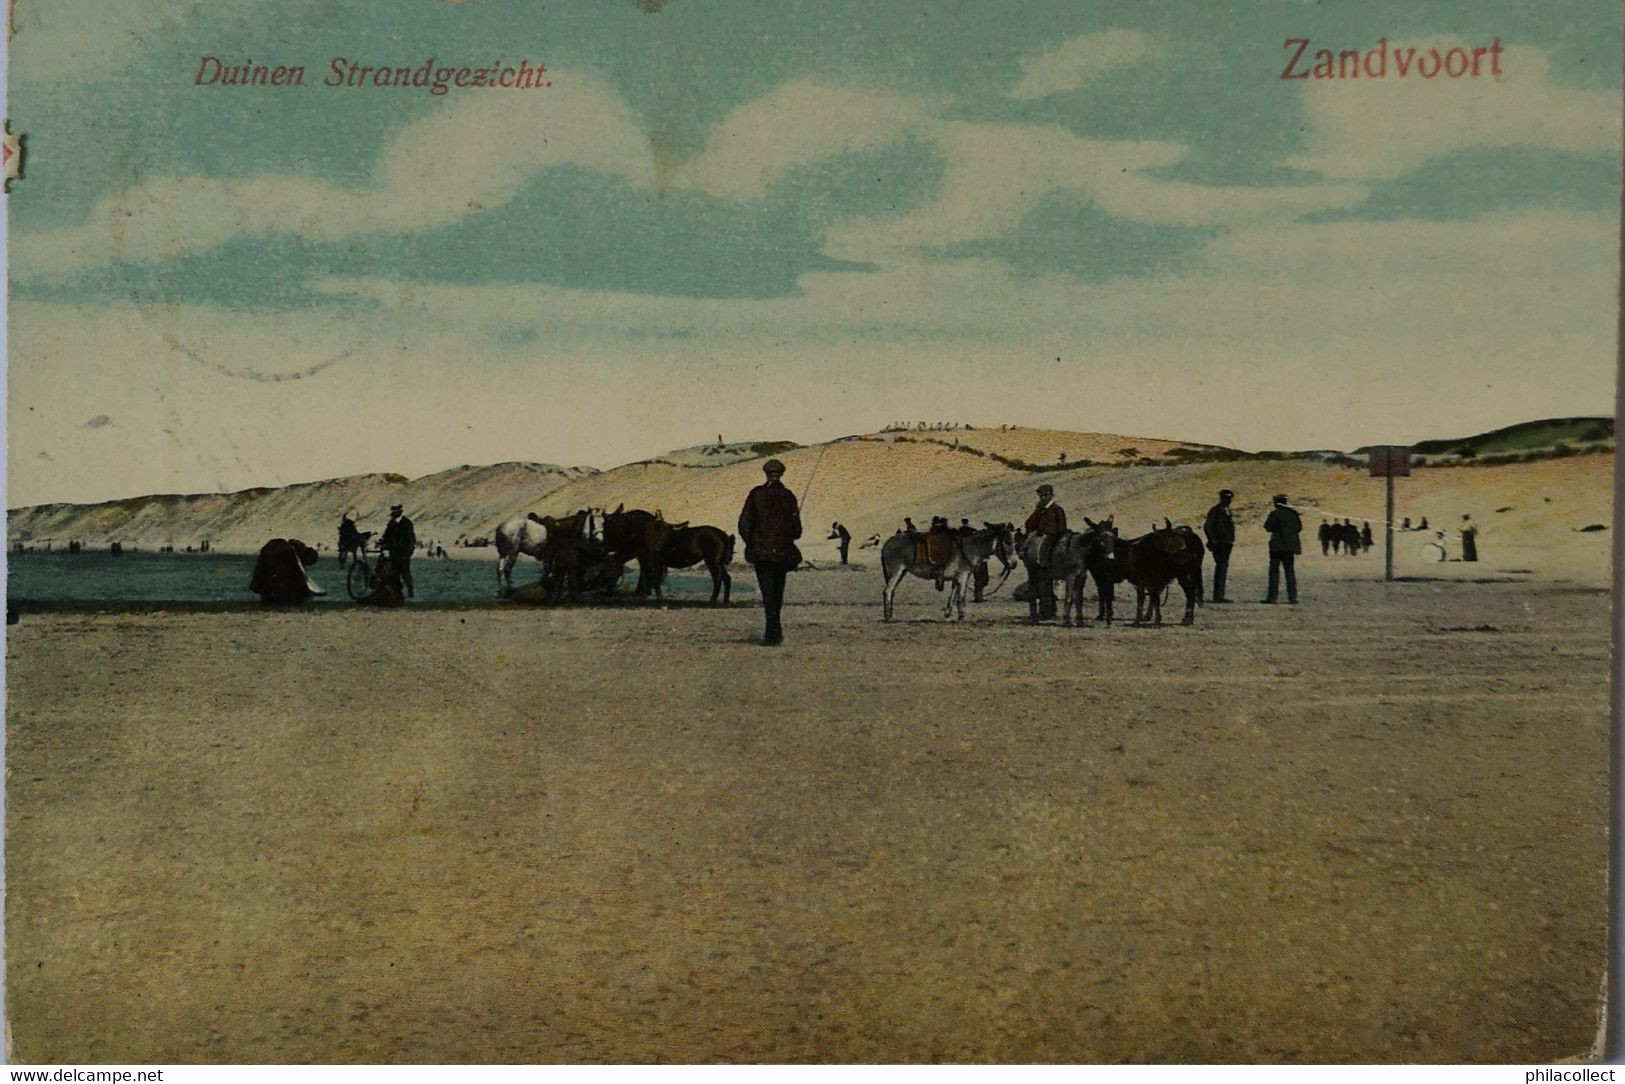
<point x="770" y="526"/>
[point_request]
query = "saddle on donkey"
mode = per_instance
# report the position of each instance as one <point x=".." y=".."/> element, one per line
<point x="935" y="547"/>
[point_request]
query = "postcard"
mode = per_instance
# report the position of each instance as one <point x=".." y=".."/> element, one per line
<point x="686" y="531"/>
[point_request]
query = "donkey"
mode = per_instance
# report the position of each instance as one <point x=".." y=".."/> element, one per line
<point x="520" y="535"/>
<point x="566" y="546"/>
<point x="641" y="536"/>
<point x="692" y="545"/>
<point x="1152" y="562"/>
<point x="1103" y="562"/>
<point x="1073" y="558"/>
<point x="898" y="558"/>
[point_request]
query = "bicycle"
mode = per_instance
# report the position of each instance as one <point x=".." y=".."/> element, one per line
<point x="358" y="581"/>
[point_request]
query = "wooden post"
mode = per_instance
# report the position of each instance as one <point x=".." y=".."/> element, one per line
<point x="1388" y="555"/>
<point x="1387" y="461"/>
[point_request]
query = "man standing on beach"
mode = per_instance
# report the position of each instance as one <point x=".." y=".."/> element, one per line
<point x="1048" y="520"/>
<point x="843" y="536"/>
<point x="769" y="524"/>
<point x="1220" y="530"/>
<point x="1284" y="527"/>
<point x="399" y="542"/>
<point x="1469" y="538"/>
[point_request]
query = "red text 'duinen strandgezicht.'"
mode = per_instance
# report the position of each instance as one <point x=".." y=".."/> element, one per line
<point x="344" y="72"/>
<point x="1386" y="61"/>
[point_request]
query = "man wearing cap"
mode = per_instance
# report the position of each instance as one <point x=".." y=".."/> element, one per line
<point x="1048" y="521"/>
<point x="399" y="542"/>
<point x="1220" y="530"/>
<point x="769" y="524"/>
<point x="1284" y="527"/>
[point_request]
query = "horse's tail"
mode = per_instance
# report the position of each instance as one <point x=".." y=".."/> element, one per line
<point x="728" y="551"/>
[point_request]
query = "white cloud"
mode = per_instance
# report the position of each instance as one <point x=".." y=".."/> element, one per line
<point x="1378" y="129"/>
<point x="1138" y="197"/>
<point x="1442" y="288"/>
<point x="474" y="153"/>
<point x="998" y="173"/>
<point x="797" y="124"/>
<point x="1078" y="61"/>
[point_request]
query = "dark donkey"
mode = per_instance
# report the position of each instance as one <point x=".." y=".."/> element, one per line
<point x="638" y="536"/>
<point x="1103" y="562"/>
<point x="1152" y="562"/>
<point x="1075" y="556"/>
<point x="567" y="552"/>
<point x="689" y="546"/>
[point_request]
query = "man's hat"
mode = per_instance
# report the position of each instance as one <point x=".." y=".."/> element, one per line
<point x="1280" y="498"/>
<point x="1226" y="493"/>
<point x="1045" y="488"/>
<point x="772" y="466"/>
<point x="394" y="508"/>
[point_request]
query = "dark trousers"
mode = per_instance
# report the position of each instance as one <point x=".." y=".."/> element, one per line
<point x="845" y="542"/>
<point x="1221" y="569"/>
<point x="403" y="571"/>
<point x="770" y="579"/>
<point x="979" y="579"/>
<point x="1279" y="561"/>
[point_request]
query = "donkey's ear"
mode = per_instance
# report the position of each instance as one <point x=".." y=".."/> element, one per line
<point x="619" y="507"/>
<point x="1091" y="523"/>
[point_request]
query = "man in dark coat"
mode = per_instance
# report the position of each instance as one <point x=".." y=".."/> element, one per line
<point x="769" y="525"/>
<point x="843" y="538"/>
<point x="1220" y="531"/>
<point x="399" y="542"/>
<point x="1284" y="526"/>
<point x="279" y="573"/>
<point x="1049" y="520"/>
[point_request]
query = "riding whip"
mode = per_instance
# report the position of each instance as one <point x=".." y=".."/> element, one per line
<point x="808" y="487"/>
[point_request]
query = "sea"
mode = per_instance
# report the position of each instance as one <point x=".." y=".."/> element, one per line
<point x="132" y="580"/>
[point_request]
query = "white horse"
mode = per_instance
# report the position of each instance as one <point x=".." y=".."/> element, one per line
<point x="898" y="558"/>
<point x="520" y="535"/>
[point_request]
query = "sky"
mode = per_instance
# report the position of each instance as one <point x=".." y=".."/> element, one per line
<point x="796" y="220"/>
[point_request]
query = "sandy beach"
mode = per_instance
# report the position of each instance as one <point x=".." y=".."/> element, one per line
<point x="632" y="834"/>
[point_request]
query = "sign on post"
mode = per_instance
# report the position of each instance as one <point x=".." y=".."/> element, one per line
<point x="1390" y="461"/>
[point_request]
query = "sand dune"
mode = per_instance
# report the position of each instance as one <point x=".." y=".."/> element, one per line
<point x="1528" y="512"/>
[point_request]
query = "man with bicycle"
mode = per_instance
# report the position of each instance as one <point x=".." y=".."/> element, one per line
<point x="399" y="542"/>
<point x="352" y="540"/>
